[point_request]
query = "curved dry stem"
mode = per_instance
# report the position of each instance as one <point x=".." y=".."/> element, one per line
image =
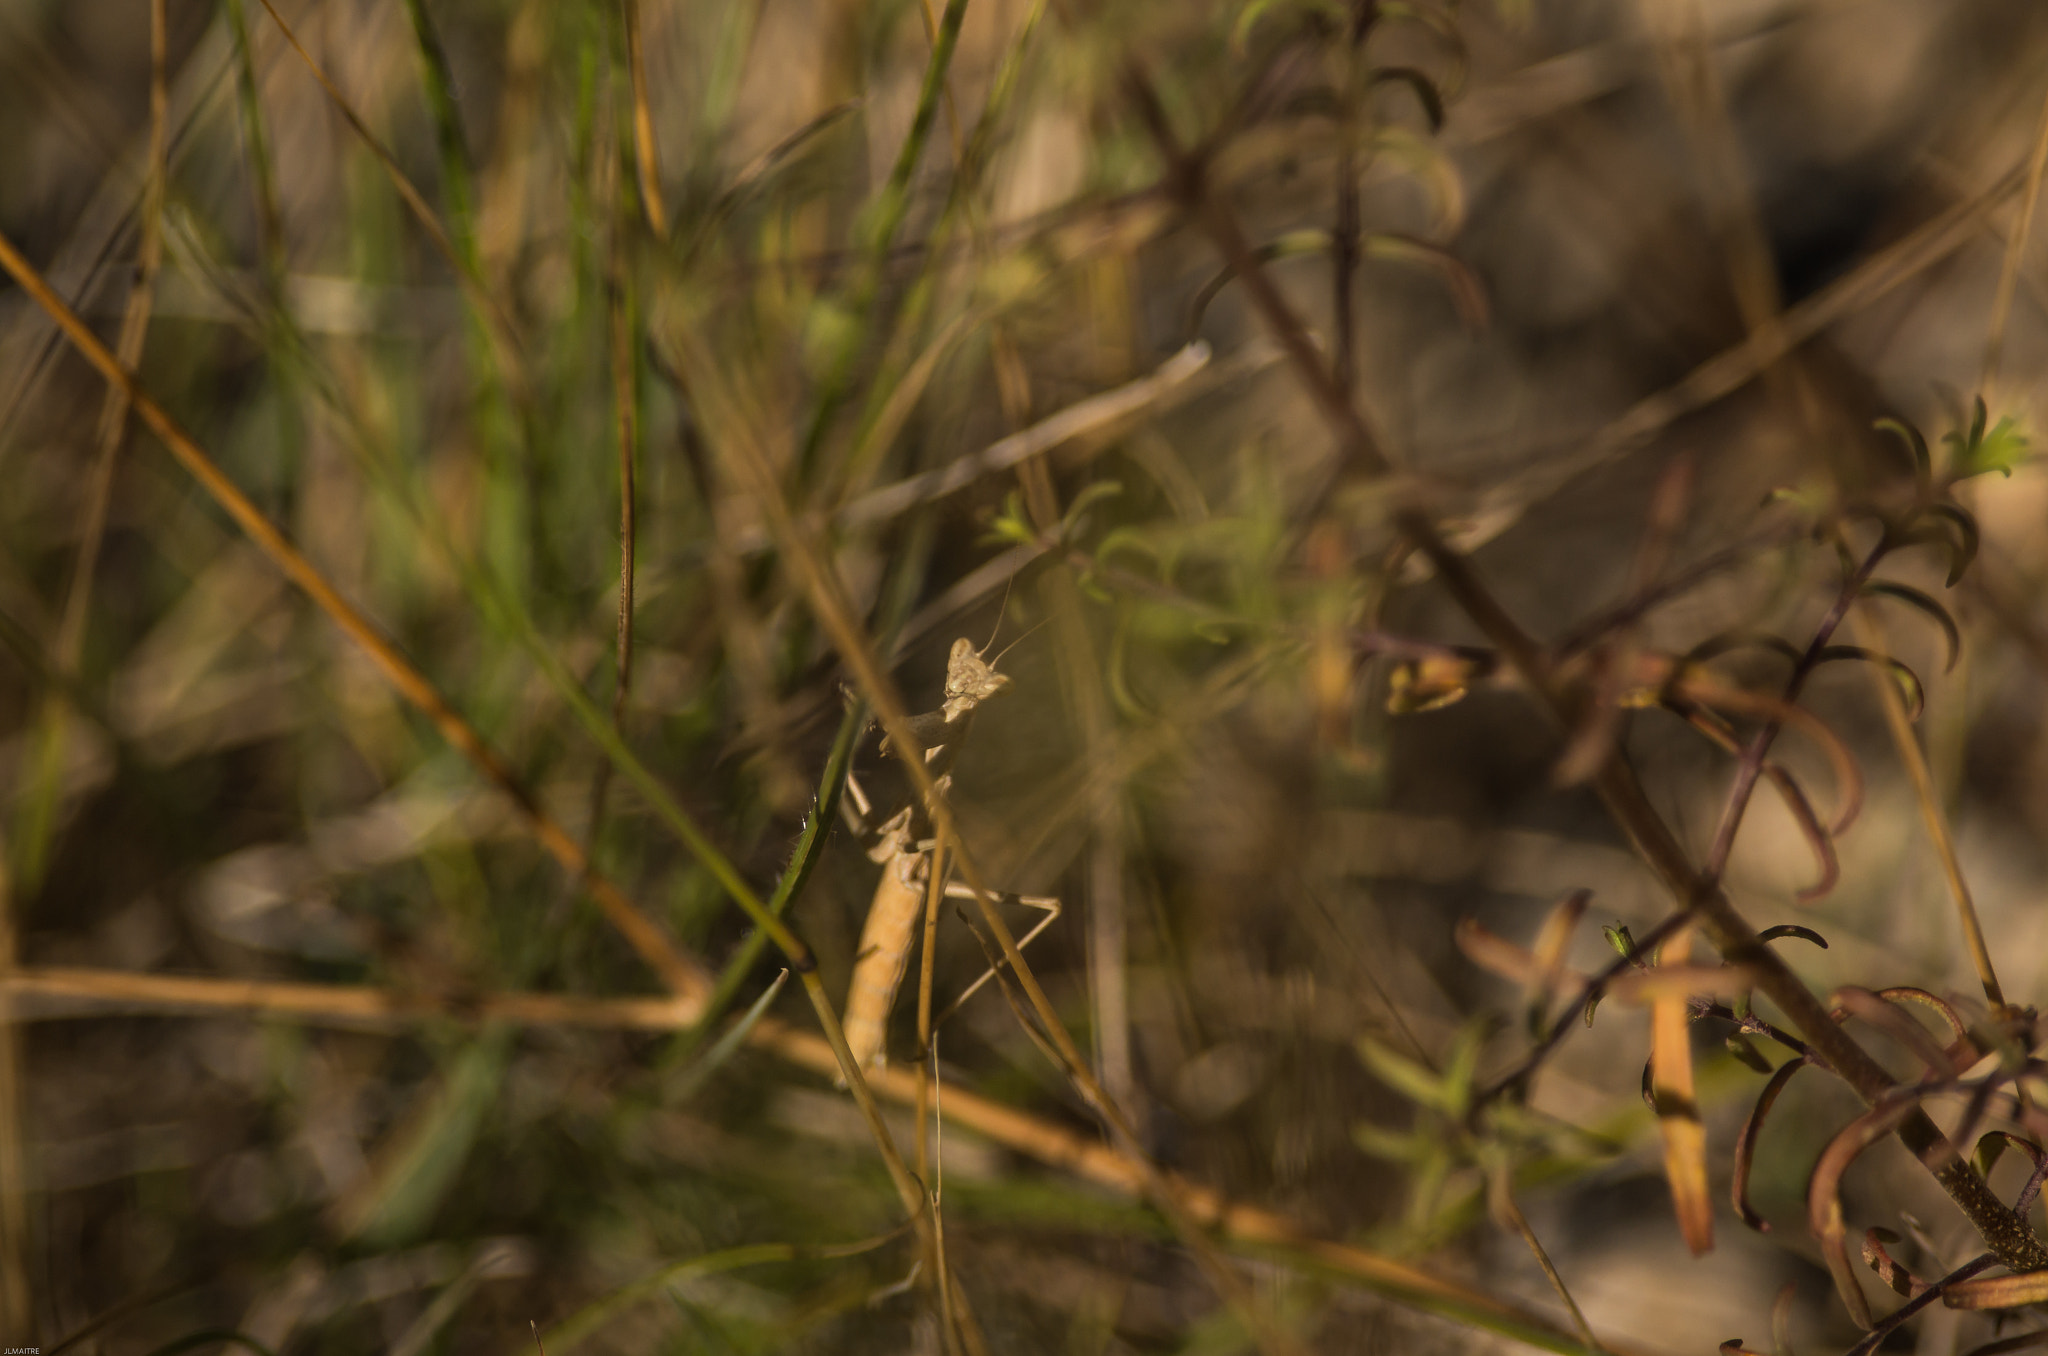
<point x="1896" y="1318"/>
<point x="1810" y="828"/>
<point x="1872" y="1008"/>
<point x="1916" y="691"/>
<point x="1824" y="1193"/>
<point x="1745" y="1143"/>
<point x="1889" y="1270"/>
<point x="2025" y="1200"/>
<point x="1783" y="711"/>
<point x="1501" y="1196"/>
<point x="1906" y="993"/>
<point x="1789" y="791"/>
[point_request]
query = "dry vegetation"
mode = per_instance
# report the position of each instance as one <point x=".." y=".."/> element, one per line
<point x="480" y="474"/>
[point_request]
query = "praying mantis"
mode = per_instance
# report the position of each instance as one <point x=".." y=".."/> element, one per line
<point x="907" y="860"/>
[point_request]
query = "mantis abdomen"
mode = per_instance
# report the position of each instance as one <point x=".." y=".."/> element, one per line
<point x="884" y="952"/>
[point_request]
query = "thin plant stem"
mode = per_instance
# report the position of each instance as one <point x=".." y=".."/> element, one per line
<point x="32" y="844"/>
<point x="2015" y="251"/>
<point x="926" y="1105"/>
<point x="17" y="1303"/>
<point x="1870" y="634"/>
<point x="1734" y="367"/>
<point x="38" y="822"/>
<point x="497" y="324"/>
<point x="810" y="847"/>
<point x="1506" y="1208"/>
<point x="646" y="148"/>
<point x="256" y="147"/>
<point x="1344" y="239"/>
<point x="1754" y="754"/>
<point x="626" y="422"/>
<point x="1249" y="1228"/>
<point x="457" y="174"/>
<point x="1653" y="595"/>
<point x="883" y="218"/>
<point x="683" y="975"/>
<point x="934" y="901"/>
<point x="591" y="1319"/>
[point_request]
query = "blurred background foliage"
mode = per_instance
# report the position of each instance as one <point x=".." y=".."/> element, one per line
<point x="916" y="287"/>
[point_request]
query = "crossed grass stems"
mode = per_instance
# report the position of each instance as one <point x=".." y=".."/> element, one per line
<point x="739" y="426"/>
<point x="682" y="974"/>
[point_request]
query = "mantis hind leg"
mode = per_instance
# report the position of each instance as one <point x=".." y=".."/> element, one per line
<point x="1047" y="904"/>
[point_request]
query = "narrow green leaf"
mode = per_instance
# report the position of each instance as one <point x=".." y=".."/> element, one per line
<point x="1916" y="449"/>
<point x="1091" y="494"/>
<point x="1967" y="537"/>
<point x="1912" y="597"/>
<point x="1468" y="294"/>
<point x="1426" y="92"/>
<point x="1240" y="32"/>
<point x="1804" y="934"/>
<point x="431" y="1149"/>
<point x="1403" y="1075"/>
<point x="1910" y="686"/>
<point x="1461" y="1066"/>
<point x="1727" y="641"/>
<point x="1439" y="21"/>
<point x="1430" y="166"/>
<point x="1291" y="245"/>
<point x="1990" y="1148"/>
<point x="691" y="1079"/>
<point x="1747" y="1054"/>
<point x="1395" y="1146"/>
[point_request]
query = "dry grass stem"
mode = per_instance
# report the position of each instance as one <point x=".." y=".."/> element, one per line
<point x="646" y="396"/>
<point x="1057" y="1146"/>
<point x="2015" y="251"/>
<point x="683" y="976"/>
<point x="1870" y="632"/>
